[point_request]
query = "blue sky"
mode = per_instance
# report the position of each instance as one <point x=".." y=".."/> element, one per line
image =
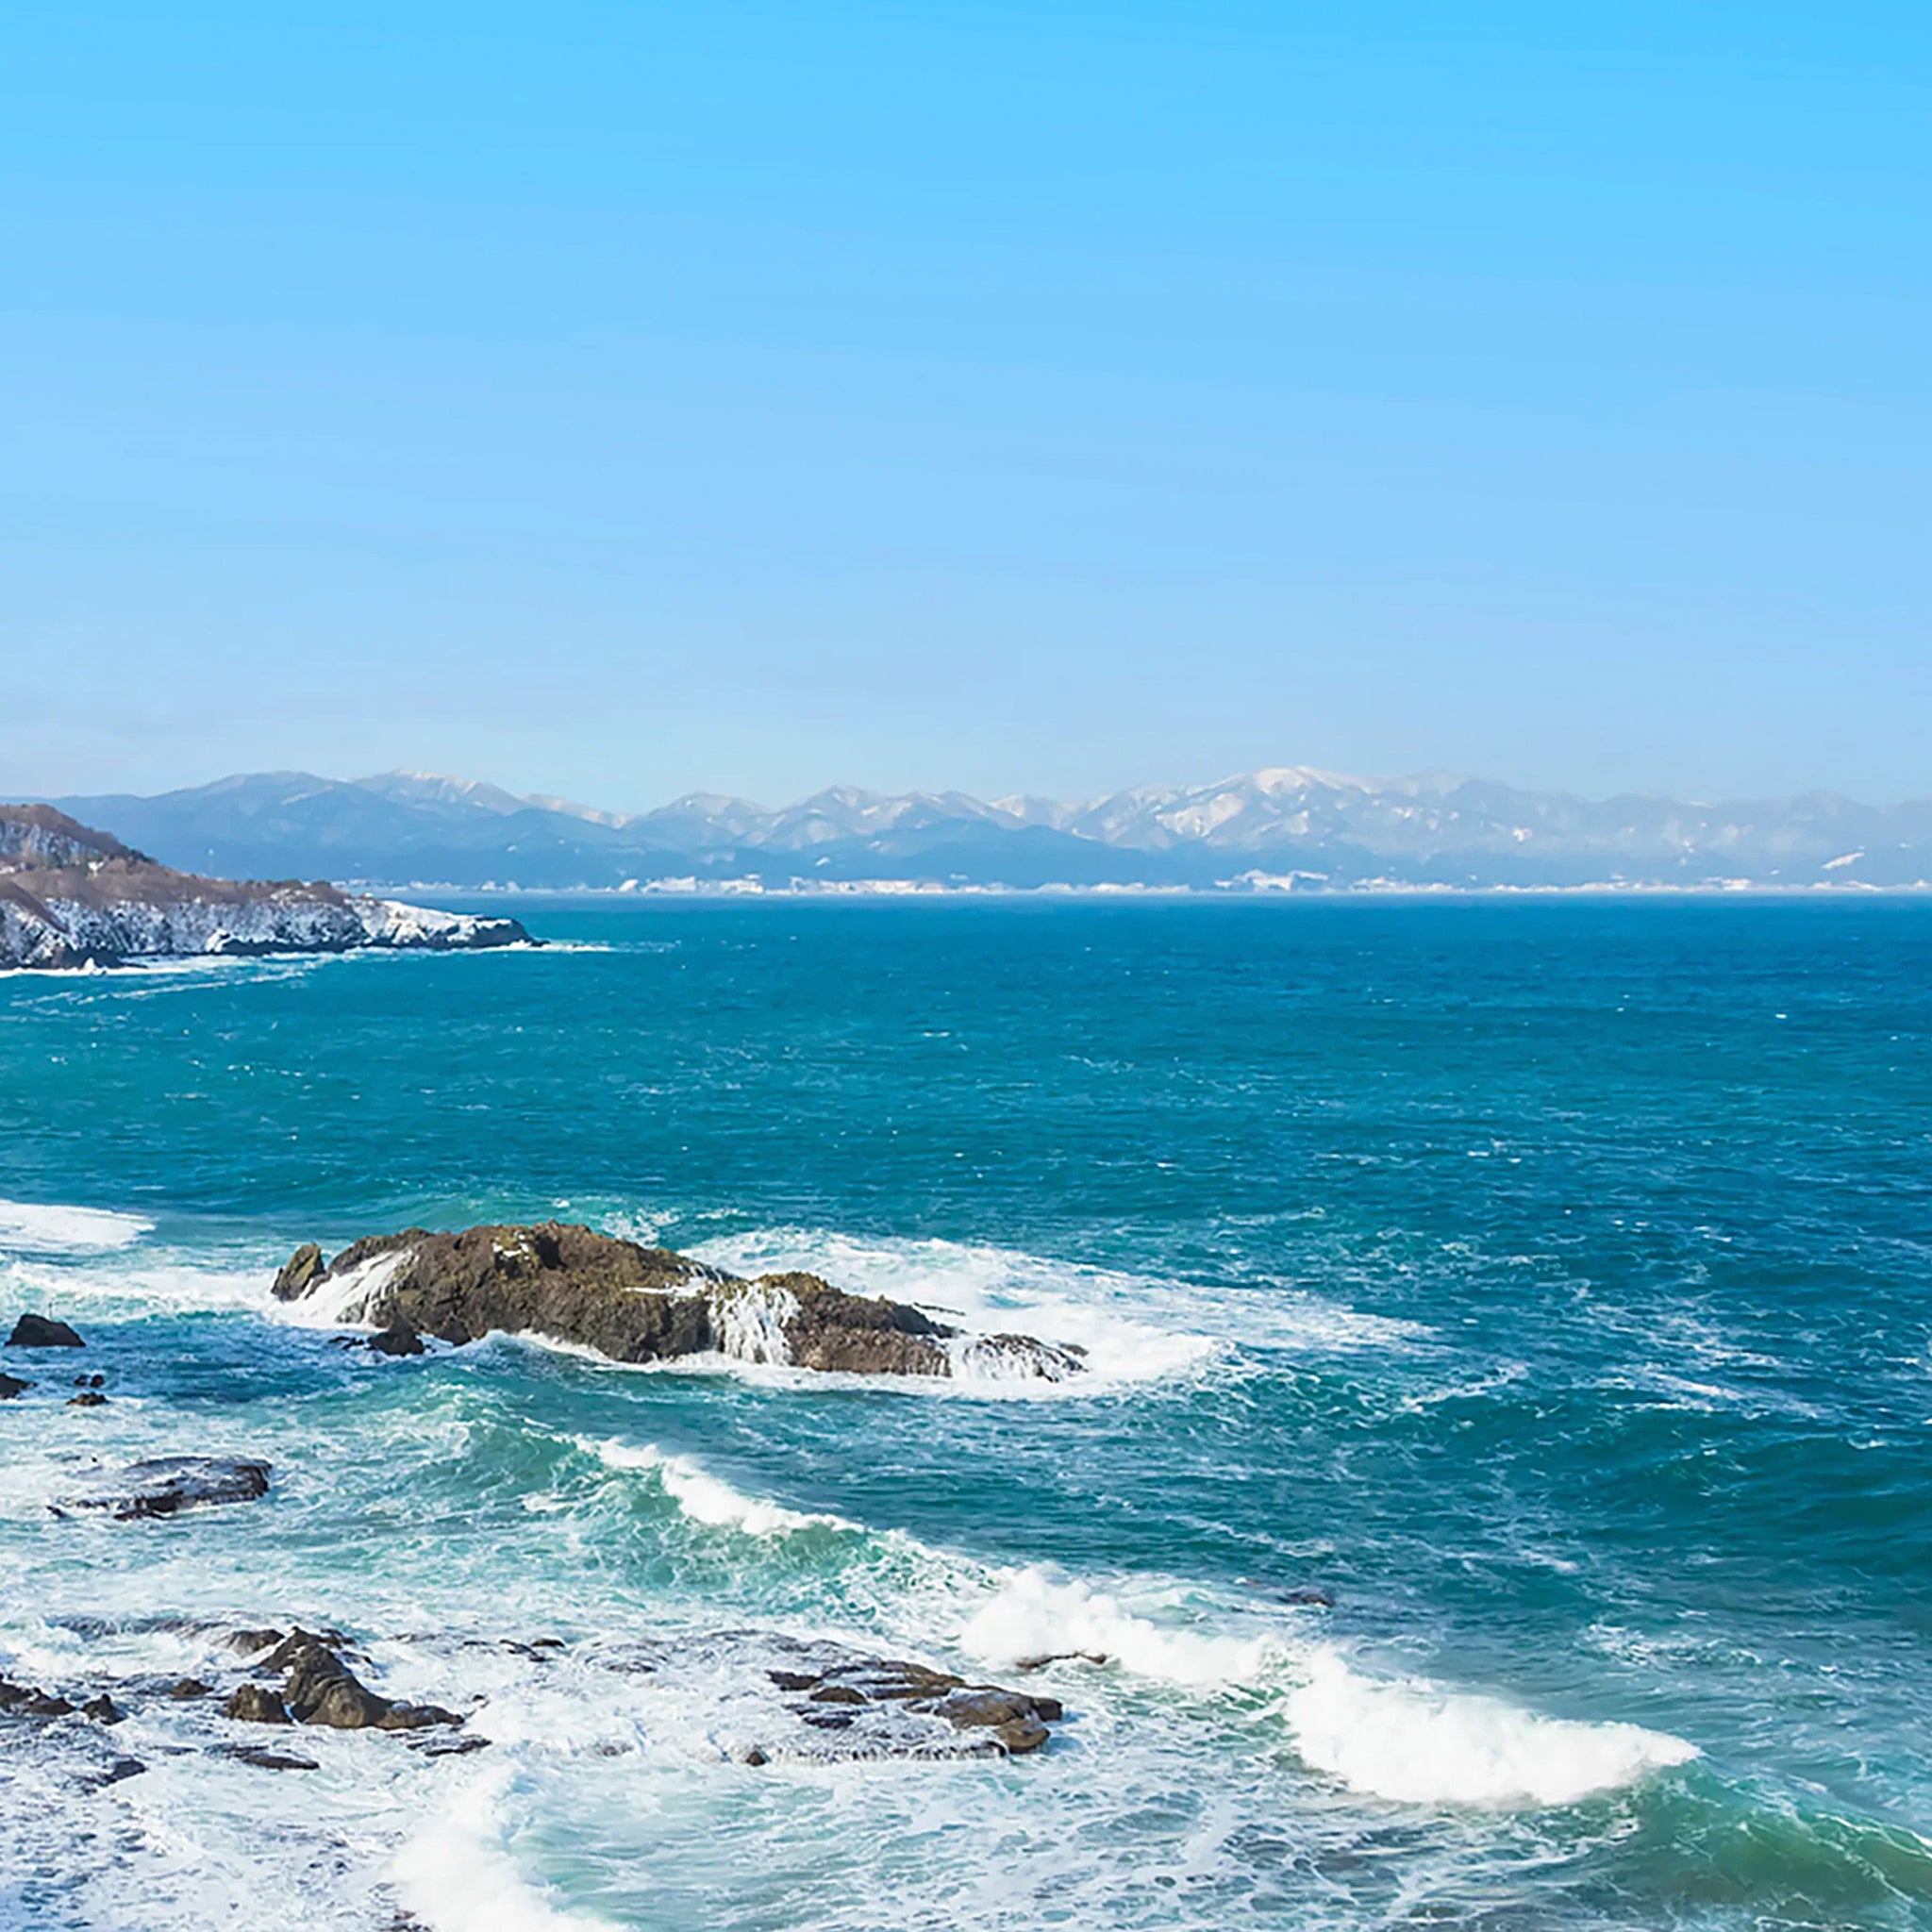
<point x="618" y="400"/>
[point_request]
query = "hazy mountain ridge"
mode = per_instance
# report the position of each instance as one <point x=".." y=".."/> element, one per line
<point x="1252" y="831"/>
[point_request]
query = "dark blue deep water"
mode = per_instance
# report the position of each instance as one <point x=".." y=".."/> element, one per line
<point x="1549" y="1282"/>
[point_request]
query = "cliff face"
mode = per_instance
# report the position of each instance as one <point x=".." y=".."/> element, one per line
<point x="73" y="896"/>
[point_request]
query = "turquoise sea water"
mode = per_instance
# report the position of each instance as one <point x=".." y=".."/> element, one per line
<point x="1547" y="1281"/>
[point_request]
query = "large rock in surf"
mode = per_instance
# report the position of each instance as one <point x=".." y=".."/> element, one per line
<point x="634" y="1304"/>
<point x="166" y="1484"/>
<point x="42" y="1331"/>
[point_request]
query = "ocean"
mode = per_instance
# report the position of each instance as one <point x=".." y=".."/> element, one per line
<point x="1546" y="1282"/>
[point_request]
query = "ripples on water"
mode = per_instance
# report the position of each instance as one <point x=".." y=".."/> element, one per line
<point x="1546" y="1282"/>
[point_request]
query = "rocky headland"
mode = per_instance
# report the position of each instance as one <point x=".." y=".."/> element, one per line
<point x="636" y="1304"/>
<point x="71" y="896"/>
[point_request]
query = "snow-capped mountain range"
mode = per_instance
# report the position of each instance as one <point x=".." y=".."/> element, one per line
<point x="1257" y="831"/>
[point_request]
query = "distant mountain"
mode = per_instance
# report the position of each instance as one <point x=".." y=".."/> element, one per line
<point x="1266" y="830"/>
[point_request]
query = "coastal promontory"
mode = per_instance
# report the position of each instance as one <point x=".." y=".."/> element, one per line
<point x="71" y="896"/>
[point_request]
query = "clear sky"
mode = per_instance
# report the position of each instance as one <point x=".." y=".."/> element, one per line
<point x="621" y="399"/>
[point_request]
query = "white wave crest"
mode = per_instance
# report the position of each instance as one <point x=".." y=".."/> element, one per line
<point x="1421" y="1743"/>
<point x="1035" y="1615"/>
<point x="703" y="1497"/>
<point x="34" y="1228"/>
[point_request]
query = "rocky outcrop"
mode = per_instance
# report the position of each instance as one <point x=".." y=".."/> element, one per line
<point x="166" y="1484"/>
<point x="782" y="1697"/>
<point x="41" y="1331"/>
<point x="71" y="896"/>
<point x="11" y="1386"/>
<point x="835" y="1697"/>
<point x="322" y="1689"/>
<point x="634" y="1304"/>
<point x="25" y="1700"/>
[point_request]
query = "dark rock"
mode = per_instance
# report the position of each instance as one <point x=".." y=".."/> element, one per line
<point x="121" y="1768"/>
<point x="90" y="1381"/>
<point x="872" y="1699"/>
<point x="296" y="1645"/>
<point x="264" y="1759"/>
<point x="1061" y="1657"/>
<point x="103" y="1709"/>
<point x="636" y="1304"/>
<point x="1310" y="1593"/>
<point x="256" y="1704"/>
<point x="11" y="1386"/>
<point x="964" y="1709"/>
<point x="40" y="1331"/>
<point x="397" y="1341"/>
<point x="23" y="1699"/>
<point x="1020" y="1735"/>
<point x="166" y="1484"/>
<point x="249" y="1642"/>
<point x="185" y="1688"/>
<point x="322" y="1689"/>
<point x="88" y="1398"/>
<point x="298" y="1273"/>
<point x="445" y="1746"/>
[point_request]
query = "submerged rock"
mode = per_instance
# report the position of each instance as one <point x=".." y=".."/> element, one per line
<point x="265" y="1759"/>
<point x="634" y="1304"/>
<point x="166" y="1484"/>
<point x="88" y="1398"/>
<point x="41" y="1331"/>
<point x="841" y="1702"/>
<point x="24" y="1700"/>
<point x="11" y="1386"/>
<point x="397" y="1341"/>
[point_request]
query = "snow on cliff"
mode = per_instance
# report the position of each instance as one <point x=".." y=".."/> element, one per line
<point x="70" y="896"/>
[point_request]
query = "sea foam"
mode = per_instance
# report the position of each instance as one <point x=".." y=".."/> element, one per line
<point x="1034" y="1614"/>
<point x="51" y="1229"/>
<point x="458" y="1874"/>
<point x="1417" y="1742"/>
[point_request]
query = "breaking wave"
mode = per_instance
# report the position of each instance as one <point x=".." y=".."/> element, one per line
<point x="706" y="1498"/>
<point x="50" y="1228"/>
<point x="1417" y="1742"/>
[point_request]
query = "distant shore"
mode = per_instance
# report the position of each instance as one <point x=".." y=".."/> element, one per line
<point x="683" y="889"/>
